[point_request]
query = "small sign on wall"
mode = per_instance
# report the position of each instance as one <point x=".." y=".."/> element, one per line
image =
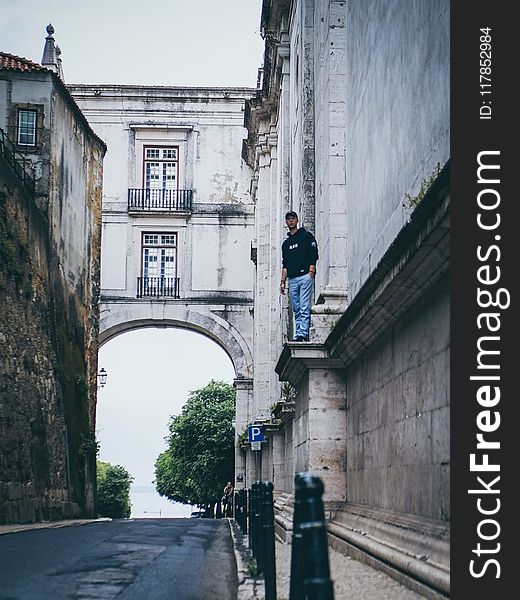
<point x="256" y="445"/>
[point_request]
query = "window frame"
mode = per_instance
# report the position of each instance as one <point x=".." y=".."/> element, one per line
<point x="34" y="127"/>
<point x="13" y="126"/>
<point x="160" y="245"/>
<point x="145" y="160"/>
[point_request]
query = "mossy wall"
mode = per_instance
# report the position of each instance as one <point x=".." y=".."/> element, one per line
<point x="49" y="292"/>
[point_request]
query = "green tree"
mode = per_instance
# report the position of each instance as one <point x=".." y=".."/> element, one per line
<point x="200" y="455"/>
<point x="113" y="490"/>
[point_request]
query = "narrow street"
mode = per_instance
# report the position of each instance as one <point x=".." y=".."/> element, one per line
<point x="153" y="559"/>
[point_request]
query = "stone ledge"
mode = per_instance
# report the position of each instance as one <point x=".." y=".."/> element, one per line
<point x="297" y="357"/>
<point x="411" y="549"/>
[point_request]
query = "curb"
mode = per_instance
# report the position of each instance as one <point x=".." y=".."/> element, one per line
<point x="19" y="528"/>
<point x="249" y="588"/>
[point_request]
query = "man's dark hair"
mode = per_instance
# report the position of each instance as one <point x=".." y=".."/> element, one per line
<point x="291" y="213"/>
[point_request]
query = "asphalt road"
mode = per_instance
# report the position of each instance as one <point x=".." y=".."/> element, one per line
<point x="147" y="559"/>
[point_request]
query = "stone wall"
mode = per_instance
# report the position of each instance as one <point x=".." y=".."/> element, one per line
<point x="34" y="472"/>
<point x="397" y="94"/>
<point x="398" y="428"/>
<point x="49" y="316"/>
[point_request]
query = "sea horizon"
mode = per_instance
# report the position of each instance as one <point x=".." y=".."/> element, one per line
<point x="146" y="503"/>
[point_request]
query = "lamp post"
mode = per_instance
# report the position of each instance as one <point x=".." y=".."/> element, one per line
<point x="102" y="378"/>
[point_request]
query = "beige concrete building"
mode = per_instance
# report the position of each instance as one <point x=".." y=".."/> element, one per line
<point x="350" y="128"/>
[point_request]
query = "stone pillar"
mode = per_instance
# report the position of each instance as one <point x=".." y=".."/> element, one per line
<point x="327" y="431"/>
<point x="319" y="428"/>
<point x="244" y="390"/>
<point x="278" y="461"/>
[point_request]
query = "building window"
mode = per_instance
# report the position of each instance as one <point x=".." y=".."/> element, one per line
<point x="159" y="252"/>
<point x="161" y="168"/>
<point x="26" y="127"/>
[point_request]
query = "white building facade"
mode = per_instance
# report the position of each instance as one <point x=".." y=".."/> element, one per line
<point x="178" y="219"/>
<point x="350" y="128"/>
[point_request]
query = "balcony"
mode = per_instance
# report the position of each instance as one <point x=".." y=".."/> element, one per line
<point x="158" y="287"/>
<point x="159" y="201"/>
<point x="19" y="165"/>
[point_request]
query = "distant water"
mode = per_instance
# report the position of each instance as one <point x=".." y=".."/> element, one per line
<point x="146" y="503"/>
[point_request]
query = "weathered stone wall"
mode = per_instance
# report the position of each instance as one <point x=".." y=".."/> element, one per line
<point x="33" y="446"/>
<point x="330" y="140"/>
<point x="398" y="414"/>
<point x="75" y="197"/>
<point x="397" y="93"/>
<point x="50" y="315"/>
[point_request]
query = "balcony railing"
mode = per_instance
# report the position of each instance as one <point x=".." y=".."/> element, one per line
<point x="158" y="287"/>
<point x="150" y="200"/>
<point x="20" y="166"/>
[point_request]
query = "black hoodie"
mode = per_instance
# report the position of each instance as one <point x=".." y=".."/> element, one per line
<point x="299" y="252"/>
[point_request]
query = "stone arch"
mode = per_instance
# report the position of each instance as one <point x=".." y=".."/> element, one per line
<point x="118" y="319"/>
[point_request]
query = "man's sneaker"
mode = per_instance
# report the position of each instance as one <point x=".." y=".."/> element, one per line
<point x="301" y="338"/>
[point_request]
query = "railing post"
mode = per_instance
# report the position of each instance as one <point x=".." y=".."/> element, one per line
<point x="268" y="541"/>
<point x="317" y="583"/>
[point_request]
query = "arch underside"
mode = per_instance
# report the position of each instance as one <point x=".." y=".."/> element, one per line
<point x="117" y="319"/>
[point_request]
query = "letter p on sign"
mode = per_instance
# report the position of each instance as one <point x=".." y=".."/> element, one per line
<point x="256" y="433"/>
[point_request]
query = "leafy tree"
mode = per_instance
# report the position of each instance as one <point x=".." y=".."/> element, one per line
<point x="113" y="490"/>
<point x="200" y="455"/>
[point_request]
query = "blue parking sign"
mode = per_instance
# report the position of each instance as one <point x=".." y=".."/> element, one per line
<point x="256" y="433"/>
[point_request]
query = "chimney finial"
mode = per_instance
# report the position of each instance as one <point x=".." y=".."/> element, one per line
<point x="49" y="58"/>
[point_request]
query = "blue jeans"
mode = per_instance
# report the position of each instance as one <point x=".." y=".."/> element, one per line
<point x="300" y="292"/>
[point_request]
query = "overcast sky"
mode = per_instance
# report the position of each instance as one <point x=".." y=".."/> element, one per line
<point x="159" y="42"/>
<point x="150" y="373"/>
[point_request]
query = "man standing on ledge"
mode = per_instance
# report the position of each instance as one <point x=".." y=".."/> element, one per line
<point x="299" y="257"/>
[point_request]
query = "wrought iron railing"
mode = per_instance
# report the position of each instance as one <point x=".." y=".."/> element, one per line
<point x="20" y="166"/>
<point x="158" y="287"/>
<point x="150" y="200"/>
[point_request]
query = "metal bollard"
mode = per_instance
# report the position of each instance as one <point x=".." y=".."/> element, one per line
<point x="255" y="522"/>
<point x="268" y="541"/>
<point x="317" y="583"/>
<point x="236" y="508"/>
<point x="296" y="591"/>
<point x="250" y="517"/>
<point x="257" y="526"/>
<point x="242" y="498"/>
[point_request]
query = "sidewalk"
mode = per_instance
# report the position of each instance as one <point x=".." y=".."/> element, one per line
<point x="351" y="578"/>
<point x="47" y="525"/>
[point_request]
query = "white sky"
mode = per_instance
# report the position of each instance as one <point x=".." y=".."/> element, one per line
<point x="150" y="372"/>
<point x="155" y="42"/>
<point x="159" y="42"/>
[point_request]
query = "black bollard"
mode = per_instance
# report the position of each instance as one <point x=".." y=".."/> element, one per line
<point x="257" y="526"/>
<point x="250" y="517"/>
<point x="317" y="583"/>
<point x="242" y="496"/>
<point x="296" y="591"/>
<point x="255" y="520"/>
<point x="268" y="541"/>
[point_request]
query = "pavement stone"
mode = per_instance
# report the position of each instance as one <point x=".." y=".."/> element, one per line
<point x="351" y="578"/>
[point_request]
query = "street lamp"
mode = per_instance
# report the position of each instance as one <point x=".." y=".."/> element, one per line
<point x="102" y="378"/>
